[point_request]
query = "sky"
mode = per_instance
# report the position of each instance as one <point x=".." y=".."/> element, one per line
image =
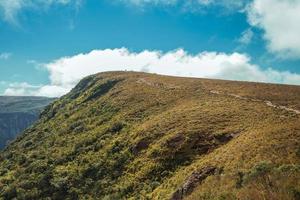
<point x="47" y="46"/>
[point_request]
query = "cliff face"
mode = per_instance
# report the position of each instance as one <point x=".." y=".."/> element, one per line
<point x="11" y="124"/>
<point x="120" y="135"/>
<point x="18" y="113"/>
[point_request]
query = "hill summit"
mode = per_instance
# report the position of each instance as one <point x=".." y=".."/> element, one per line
<point x="128" y="135"/>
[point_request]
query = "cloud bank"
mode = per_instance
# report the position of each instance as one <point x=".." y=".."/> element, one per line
<point x="280" y="20"/>
<point x="66" y="72"/>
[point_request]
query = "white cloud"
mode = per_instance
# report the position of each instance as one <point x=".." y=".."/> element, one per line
<point x="5" y="56"/>
<point x="246" y="37"/>
<point x="66" y="72"/>
<point x="280" y="20"/>
<point x="9" y="9"/>
<point x="26" y="89"/>
<point x="21" y="89"/>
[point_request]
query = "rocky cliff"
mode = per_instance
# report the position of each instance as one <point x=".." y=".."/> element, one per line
<point x="18" y="113"/>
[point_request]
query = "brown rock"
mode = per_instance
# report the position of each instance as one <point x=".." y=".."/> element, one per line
<point x="143" y="144"/>
<point x="192" y="182"/>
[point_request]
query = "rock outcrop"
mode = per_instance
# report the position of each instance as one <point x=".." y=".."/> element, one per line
<point x="192" y="182"/>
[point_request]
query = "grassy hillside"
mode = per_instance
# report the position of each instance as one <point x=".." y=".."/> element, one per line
<point x="125" y="135"/>
<point x="17" y="113"/>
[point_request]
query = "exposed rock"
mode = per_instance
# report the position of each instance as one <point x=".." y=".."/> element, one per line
<point x="141" y="145"/>
<point x="192" y="182"/>
<point x="223" y="138"/>
<point x="175" y="141"/>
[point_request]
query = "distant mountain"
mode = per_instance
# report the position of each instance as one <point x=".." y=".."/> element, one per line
<point x="17" y="113"/>
<point x="125" y="135"/>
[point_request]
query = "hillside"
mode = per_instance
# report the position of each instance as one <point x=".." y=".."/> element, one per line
<point x="126" y="135"/>
<point x="17" y="113"/>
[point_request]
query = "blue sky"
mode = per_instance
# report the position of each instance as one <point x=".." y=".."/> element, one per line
<point x="47" y="46"/>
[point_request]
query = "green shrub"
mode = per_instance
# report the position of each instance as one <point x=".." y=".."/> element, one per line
<point x="116" y="127"/>
<point x="10" y="192"/>
<point x="260" y="170"/>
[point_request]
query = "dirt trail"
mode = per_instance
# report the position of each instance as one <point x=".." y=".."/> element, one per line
<point x="161" y="85"/>
<point x="268" y="103"/>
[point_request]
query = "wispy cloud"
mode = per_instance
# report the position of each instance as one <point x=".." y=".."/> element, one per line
<point x="246" y="37"/>
<point x="153" y="2"/>
<point x="5" y="56"/>
<point x="66" y="72"/>
<point x="189" y="5"/>
<point x="37" y="65"/>
<point x="10" y="9"/>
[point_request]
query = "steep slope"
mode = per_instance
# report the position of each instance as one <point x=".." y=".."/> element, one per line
<point x="125" y="135"/>
<point x="17" y="113"/>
